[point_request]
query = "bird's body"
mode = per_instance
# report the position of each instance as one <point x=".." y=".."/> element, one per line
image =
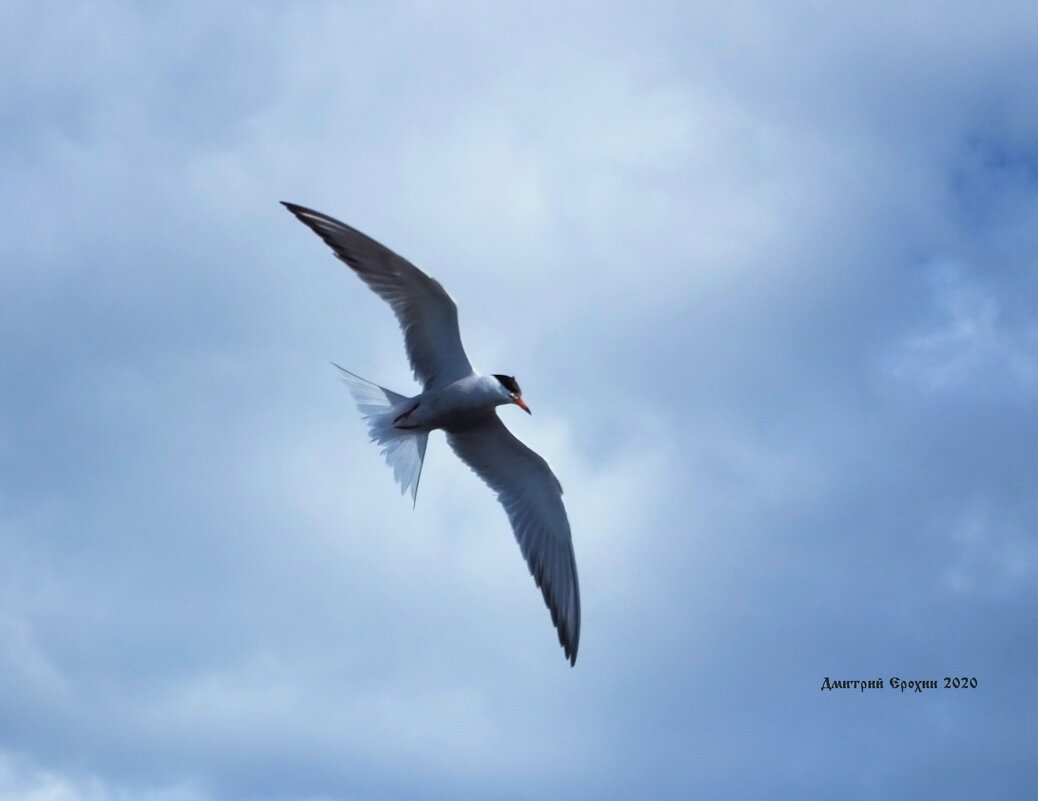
<point x="455" y="406"/>
<point x="461" y="402"/>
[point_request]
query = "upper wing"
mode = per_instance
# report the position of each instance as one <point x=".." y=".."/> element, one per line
<point x="532" y="497"/>
<point x="423" y="308"/>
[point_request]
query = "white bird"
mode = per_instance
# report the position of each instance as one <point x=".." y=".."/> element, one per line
<point x="462" y="402"/>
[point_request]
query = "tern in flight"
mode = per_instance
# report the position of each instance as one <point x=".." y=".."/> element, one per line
<point x="463" y="403"/>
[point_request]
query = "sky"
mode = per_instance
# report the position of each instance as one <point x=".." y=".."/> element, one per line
<point x="767" y="274"/>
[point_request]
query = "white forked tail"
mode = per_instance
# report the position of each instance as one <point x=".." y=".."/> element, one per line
<point x="404" y="450"/>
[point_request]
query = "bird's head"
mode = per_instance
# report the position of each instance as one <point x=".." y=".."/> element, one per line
<point x="511" y="392"/>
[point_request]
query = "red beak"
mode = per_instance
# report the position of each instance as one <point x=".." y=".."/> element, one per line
<point x="522" y="404"/>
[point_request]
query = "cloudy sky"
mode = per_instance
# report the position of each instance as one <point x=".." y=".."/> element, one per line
<point x="767" y="273"/>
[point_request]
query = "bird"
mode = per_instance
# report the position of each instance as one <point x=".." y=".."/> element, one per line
<point x="463" y="403"/>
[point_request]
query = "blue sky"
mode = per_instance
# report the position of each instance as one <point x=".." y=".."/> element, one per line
<point x="767" y="275"/>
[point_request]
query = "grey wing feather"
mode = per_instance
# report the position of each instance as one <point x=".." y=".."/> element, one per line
<point x="426" y="313"/>
<point x="532" y="498"/>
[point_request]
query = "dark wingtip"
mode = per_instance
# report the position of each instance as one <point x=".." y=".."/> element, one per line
<point x="569" y="648"/>
<point x="297" y="210"/>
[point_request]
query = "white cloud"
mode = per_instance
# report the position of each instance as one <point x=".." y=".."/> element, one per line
<point x="970" y="346"/>
<point x="20" y="780"/>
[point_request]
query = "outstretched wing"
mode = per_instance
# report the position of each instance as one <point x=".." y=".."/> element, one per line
<point x="532" y="498"/>
<point x="426" y="313"/>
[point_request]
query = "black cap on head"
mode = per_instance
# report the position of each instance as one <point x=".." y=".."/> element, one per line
<point x="508" y="382"/>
